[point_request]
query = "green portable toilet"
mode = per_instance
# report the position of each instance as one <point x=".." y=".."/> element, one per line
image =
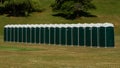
<point x="28" y="35"/>
<point x="88" y="35"/>
<point x="69" y="35"/>
<point x="47" y="34"/>
<point x="75" y="35"/>
<point x="33" y="30"/>
<point x="63" y="35"/>
<point x="102" y="41"/>
<point x="24" y="39"/>
<point x="95" y="35"/>
<point x="8" y="35"/>
<point x="57" y="35"/>
<point x="37" y="34"/>
<point x="42" y="35"/>
<point x="16" y="34"/>
<point x="52" y="35"/>
<point x="54" y="26"/>
<point x="20" y="33"/>
<point x="44" y="32"/>
<point x="109" y="35"/>
<point x="9" y="31"/>
<point x="12" y="33"/>
<point x="81" y="35"/>
<point x="66" y="26"/>
<point x="91" y="34"/>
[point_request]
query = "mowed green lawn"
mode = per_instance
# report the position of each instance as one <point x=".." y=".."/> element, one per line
<point x="21" y="55"/>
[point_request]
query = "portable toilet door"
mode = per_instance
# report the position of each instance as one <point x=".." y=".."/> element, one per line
<point x="102" y="36"/>
<point x="8" y="31"/>
<point x="95" y="36"/>
<point x="33" y="30"/>
<point x="81" y="35"/>
<point x="42" y="35"/>
<point x="88" y="35"/>
<point x="47" y="30"/>
<point x="54" y="26"/>
<point x="57" y="34"/>
<point x="109" y="30"/>
<point x="24" y="39"/>
<point x="28" y="36"/>
<point x="69" y="35"/>
<point x="37" y="34"/>
<point x="20" y="33"/>
<point x="75" y="35"/>
<point x="63" y="35"/>
<point x="12" y="32"/>
<point x="52" y="35"/>
<point x="44" y="32"/>
<point x="66" y="26"/>
<point x="16" y="34"/>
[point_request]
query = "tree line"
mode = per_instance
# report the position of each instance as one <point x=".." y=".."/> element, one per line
<point x="68" y="8"/>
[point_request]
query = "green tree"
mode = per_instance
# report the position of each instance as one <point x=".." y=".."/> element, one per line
<point x="72" y="8"/>
<point x="20" y="7"/>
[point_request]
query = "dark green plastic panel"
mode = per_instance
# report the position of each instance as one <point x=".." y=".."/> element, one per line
<point x="63" y="36"/>
<point x="69" y="34"/>
<point x="8" y="34"/>
<point x="28" y="35"/>
<point x="110" y="37"/>
<point x="24" y="35"/>
<point x="47" y="35"/>
<point x="57" y="35"/>
<point x="51" y="35"/>
<point x="102" y="36"/>
<point x="16" y="35"/>
<point x="94" y="37"/>
<point x="37" y="35"/>
<point x="75" y="36"/>
<point x="32" y="35"/>
<point x="42" y="35"/>
<point x="88" y="36"/>
<point x="81" y="36"/>
<point x="20" y="35"/>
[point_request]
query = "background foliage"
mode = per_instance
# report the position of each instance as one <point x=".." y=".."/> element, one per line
<point x="72" y="8"/>
<point x="20" y="7"/>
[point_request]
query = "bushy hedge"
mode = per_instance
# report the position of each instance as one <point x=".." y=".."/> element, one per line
<point x="20" y="7"/>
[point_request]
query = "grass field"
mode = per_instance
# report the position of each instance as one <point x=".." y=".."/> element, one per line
<point x="20" y="55"/>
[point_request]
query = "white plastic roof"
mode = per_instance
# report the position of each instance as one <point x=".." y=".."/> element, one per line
<point x="59" y="25"/>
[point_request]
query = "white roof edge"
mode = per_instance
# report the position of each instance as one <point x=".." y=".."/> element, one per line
<point x="60" y="25"/>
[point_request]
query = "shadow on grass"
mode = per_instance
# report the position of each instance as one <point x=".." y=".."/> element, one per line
<point x="1" y="10"/>
<point x="16" y="13"/>
<point x="74" y="16"/>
